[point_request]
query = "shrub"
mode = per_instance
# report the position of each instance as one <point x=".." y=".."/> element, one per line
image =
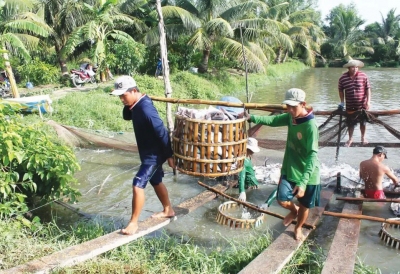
<point x="32" y="164"/>
<point x="39" y="73"/>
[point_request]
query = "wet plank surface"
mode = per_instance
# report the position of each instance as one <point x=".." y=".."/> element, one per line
<point x="343" y="251"/>
<point x="279" y="253"/>
<point x="90" y="249"/>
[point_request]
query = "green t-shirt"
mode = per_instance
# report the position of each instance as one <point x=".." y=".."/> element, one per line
<point x="300" y="162"/>
<point x="247" y="176"/>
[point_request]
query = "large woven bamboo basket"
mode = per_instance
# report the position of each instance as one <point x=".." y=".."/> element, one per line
<point x="209" y="148"/>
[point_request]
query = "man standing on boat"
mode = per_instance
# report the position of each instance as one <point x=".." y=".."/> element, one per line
<point x="372" y="172"/>
<point x="154" y="147"/>
<point x="355" y="89"/>
<point x="300" y="175"/>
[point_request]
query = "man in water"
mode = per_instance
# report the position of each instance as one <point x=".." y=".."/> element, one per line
<point x="154" y="147"/>
<point x="372" y="172"/>
<point x="355" y="89"/>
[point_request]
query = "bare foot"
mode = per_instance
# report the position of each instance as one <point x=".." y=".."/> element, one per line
<point x="290" y="217"/>
<point x="130" y="229"/>
<point x="164" y="214"/>
<point x="349" y="142"/>
<point x="364" y="141"/>
<point x="298" y="234"/>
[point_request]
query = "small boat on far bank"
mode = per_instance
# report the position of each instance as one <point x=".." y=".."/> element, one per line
<point x="32" y="104"/>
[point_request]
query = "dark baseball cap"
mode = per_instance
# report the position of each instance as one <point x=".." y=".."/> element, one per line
<point x="380" y="149"/>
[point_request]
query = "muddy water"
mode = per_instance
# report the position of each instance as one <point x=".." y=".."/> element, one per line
<point x="106" y="175"/>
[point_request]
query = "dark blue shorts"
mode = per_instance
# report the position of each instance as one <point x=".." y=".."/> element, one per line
<point x="152" y="173"/>
<point x="309" y="200"/>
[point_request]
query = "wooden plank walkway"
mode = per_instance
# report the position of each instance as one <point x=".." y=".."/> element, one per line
<point x="343" y="251"/>
<point x="279" y="253"/>
<point x="90" y="249"/>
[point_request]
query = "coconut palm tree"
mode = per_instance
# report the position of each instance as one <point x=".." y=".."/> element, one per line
<point x="63" y="17"/>
<point x="211" y="24"/>
<point x="345" y="25"/>
<point x="298" y="29"/>
<point x="104" y="22"/>
<point x="384" y="33"/>
<point x="16" y="33"/>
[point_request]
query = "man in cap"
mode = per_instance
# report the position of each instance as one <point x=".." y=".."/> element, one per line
<point x="355" y="89"/>
<point x="247" y="177"/>
<point x="372" y="172"/>
<point x="300" y="168"/>
<point x="154" y="147"/>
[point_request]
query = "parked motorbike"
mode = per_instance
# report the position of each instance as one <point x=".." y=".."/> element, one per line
<point x="5" y="85"/>
<point x="81" y="76"/>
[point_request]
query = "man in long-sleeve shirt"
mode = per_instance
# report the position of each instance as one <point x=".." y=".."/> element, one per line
<point x="154" y="147"/>
<point x="300" y="168"/>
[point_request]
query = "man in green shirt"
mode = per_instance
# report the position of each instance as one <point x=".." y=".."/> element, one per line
<point x="300" y="168"/>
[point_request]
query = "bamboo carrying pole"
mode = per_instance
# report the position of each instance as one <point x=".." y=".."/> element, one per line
<point x="368" y="199"/>
<point x="361" y="217"/>
<point x="266" y="107"/>
<point x="252" y="206"/>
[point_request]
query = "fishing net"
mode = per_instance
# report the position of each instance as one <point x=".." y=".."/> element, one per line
<point x="332" y="129"/>
<point x="78" y="137"/>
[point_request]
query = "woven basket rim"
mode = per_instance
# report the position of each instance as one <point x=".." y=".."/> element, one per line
<point x="240" y="120"/>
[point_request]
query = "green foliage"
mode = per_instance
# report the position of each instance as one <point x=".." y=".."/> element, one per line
<point x="31" y="164"/>
<point x="93" y="110"/>
<point x="171" y="255"/>
<point x="126" y="58"/>
<point x="39" y="73"/>
<point x="383" y="52"/>
<point x="305" y="260"/>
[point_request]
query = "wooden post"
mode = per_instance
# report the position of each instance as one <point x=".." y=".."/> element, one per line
<point x="338" y="182"/>
<point x="245" y="67"/>
<point x="10" y="74"/>
<point x="165" y="66"/>
<point x="339" y="136"/>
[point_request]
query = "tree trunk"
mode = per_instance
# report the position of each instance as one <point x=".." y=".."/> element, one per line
<point x="61" y="61"/>
<point x="285" y="57"/>
<point x="204" y="62"/>
<point x="279" y="56"/>
<point x="10" y="74"/>
<point x="165" y="66"/>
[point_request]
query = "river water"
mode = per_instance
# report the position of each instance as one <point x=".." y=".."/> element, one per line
<point x="106" y="175"/>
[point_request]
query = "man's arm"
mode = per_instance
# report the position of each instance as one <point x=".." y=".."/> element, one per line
<point x="341" y="95"/>
<point x="393" y="177"/>
<point x="368" y="99"/>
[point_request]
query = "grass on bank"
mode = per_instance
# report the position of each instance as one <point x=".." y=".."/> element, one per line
<point x="98" y="110"/>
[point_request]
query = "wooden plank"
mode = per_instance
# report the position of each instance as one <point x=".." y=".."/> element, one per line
<point x="279" y="253"/>
<point x="343" y="251"/>
<point x="90" y="249"/>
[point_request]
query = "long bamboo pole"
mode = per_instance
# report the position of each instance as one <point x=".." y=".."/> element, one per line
<point x="361" y="217"/>
<point x="368" y="199"/>
<point x="265" y="107"/>
<point x="252" y="206"/>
